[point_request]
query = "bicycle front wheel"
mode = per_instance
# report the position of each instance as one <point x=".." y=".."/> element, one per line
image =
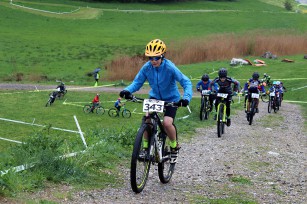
<point x="87" y="109"/>
<point x="270" y="105"/>
<point x="207" y="109"/>
<point x="165" y="168"/>
<point x="113" y="112"/>
<point x="220" y="123"/>
<point x="140" y="161"/>
<point x="252" y="112"/>
<point x="48" y="103"/>
<point x="201" y="114"/>
<point x="100" y="110"/>
<point x="126" y="113"/>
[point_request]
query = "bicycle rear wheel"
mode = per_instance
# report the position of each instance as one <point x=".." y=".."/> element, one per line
<point x="252" y="112"/>
<point x="87" y="109"/>
<point x="220" y="123"/>
<point x="113" y="112"/>
<point x="165" y="168"/>
<point x="139" y="165"/>
<point x="126" y="113"/>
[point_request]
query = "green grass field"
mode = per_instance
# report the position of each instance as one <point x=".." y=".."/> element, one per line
<point x="46" y="47"/>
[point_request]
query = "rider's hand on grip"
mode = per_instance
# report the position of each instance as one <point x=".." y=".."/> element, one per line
<point x="125" y="94"/>
<point x="235" y="93"/>
<point x="183" y="102"/>
<point x="198" y="89"/>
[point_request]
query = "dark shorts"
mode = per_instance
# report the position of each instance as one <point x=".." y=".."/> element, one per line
<point x="170" y="111"/>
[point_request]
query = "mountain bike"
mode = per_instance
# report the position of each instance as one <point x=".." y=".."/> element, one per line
<point x="205" y="105"/>
<point x="221" y="113"/>
<point x="51" y="99"/>
<point x="252" y="107"/>
<point x="274" y="102"/>
<point x="89" y="108"/>
<point x="158" y="150"/>
<point x="113" y="112"/>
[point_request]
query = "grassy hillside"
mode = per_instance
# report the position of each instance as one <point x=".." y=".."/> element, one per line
<point x="45" y="48"/>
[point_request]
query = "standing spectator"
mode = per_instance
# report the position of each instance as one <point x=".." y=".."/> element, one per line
<point x="96" y="77"/>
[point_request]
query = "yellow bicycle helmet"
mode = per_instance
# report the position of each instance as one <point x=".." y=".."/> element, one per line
<point x="155" y="47"/>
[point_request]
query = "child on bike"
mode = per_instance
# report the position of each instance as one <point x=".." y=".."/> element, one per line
<point x="162" y="75"/>
<point x="53" y="96"/>
<point x="224" y="84"/>
<point x="61" y="87"/>
<point x="204" y="84"/>
<point x="252" y="86"/>
<point x="118" y="105"/>
<point x="95" y="102"/>
<point x="277" y="88"/>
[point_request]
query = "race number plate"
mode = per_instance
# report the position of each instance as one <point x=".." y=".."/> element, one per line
<point x="222" y="95"/>
<point x="255" y="95"/>
<point x="205" y="92"/>
<point x="153" y="105"/>
<point x="272" y="94"/>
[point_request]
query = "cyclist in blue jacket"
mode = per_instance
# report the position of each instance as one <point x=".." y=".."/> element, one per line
<point x="118" y="105"/>
<point x="224" y="83"/>
<point x="204" y="84"/>
<point x="162" y="75"/>
<point x="252" y="86"/>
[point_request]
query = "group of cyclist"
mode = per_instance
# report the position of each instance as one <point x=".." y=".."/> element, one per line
<point x="222" y="84"/>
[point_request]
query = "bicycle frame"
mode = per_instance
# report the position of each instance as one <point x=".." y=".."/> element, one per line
<point x="222" y="102"/>
<point x="157" y="147"/>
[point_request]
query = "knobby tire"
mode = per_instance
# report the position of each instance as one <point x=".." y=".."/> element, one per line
<point x="252" y="112"/>
<point x="100" y="110"/>
<point x="207" y="111"/>
<point x="165" y="168"/>
<point x="87" y="109"/>
<point x="201" y="115"/>
<point x="270" y="104"/>
<point x="220" y="123"/>
<point x="113" y="112"/>
<point x="126" y="113"/>
<point x="139" y="166"/>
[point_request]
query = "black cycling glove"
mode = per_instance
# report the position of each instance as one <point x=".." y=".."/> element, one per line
<point x="183" y="102"/>
<point x="125" y="94"/>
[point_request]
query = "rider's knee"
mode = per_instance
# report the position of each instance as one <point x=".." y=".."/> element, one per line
<point x="168" y="122"/>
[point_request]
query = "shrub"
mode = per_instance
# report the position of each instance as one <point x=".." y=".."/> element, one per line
<point x="288" y="5"/>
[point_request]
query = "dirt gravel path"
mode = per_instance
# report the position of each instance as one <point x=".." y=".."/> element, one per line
<point x="269" y="156"/>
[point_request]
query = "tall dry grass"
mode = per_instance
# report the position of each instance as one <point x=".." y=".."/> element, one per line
<point x="213" y="48"/>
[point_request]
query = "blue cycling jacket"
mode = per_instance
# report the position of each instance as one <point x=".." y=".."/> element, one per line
<point x="253" y="85"/>
<point x="116" y="104"/>
<point x="162" y="81"/>
<point x="206" y="86"/>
